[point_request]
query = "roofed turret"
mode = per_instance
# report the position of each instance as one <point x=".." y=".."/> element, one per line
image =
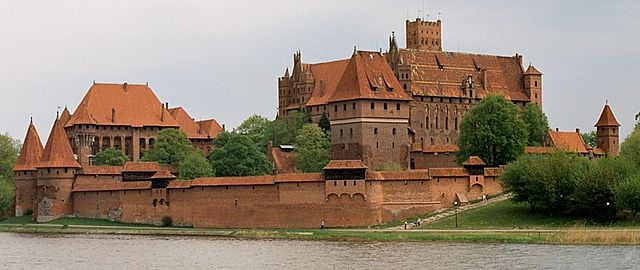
<point x="30" y="151"/>
<point x="57" y="153"/>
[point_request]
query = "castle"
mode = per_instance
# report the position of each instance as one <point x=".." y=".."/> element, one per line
<point x="402" y="106"/>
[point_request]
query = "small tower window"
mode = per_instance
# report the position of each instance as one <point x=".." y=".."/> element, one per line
<point x="384" y="105"/>
<point x="344" y="107"/>
<point x="341" y="133"/>
<point x="397" y="106"/>
<point x="535" y="83"/>
<point x="373" y="105"/>
<point x="393" y="131"/>
<point x="351" y="132"/>
<point x="375" y="131"/>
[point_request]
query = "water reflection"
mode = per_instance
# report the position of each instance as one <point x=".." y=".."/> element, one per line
<point x="42" y="251"/>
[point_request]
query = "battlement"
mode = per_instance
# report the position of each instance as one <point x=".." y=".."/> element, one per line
<point x="424" y="35"/>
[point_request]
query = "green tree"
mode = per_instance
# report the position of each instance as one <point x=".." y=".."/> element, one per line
<point x="111" y="157"/>
<point x="237" y="155"/>
<point x="324" y="123"/>
<point x="536" y="123"/>
<point x="7" y="193"/>
<point x="589" y="138"/>
<point x="312" y="148"/>
<point x="627" y="194"/>
<point x="492" y="130"/>
<point x="630" y="148"/>
<point x="9" y="150"/>
<point x="194" y="165"/>
<point x="171" y="147"/>
<point x="284" y="130"/>
<point x="254" y="127"/>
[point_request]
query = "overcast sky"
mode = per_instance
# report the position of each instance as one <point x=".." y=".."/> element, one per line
<point x="221" y="59"/>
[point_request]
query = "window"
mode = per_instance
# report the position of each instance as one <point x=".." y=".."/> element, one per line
<point x="341" y="133"/>
<point x="375" y="131"/>
<point x="335" y="108"/>
<point x="446" y="123"/>
<point x="456" y="123"/>
<point x="384" y="105"/>
<point x="436" y="122"/>
<point x="354" y="105"/>
<point x="427" y="122"/>
<point x="535" y="83"/>
<point x="404" y="86"/>
<point x="344" y="107"/>
<point x="397" y="106"/>
<point x="393" y="145"/>
<point x="393" y="131"/>
<point x="373" y="105"/>
<point x="351" y="132"/>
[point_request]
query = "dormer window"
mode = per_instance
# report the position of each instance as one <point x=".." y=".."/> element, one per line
<point x="375" y="89"/>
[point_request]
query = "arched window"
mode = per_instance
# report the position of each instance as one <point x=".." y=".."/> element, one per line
<point x="535" y="83"/>
<point x="446" y="123"/>
<point x="393" y="131"/>
<point x="436" y="122"/>
<point x="375" y="131"/>
<point x="351" y="132"/>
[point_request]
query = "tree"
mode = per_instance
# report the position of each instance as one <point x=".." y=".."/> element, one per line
<point x="627" y="194"/>
<point x="630" y="148"/>
<point x="536" y="123"/>
<point x="111" y="157"/>
<point x="312" y="148"/>
<point x="284" y="130"/>
<point x="324" y="123"/>
<point x="237" y="155"/>
<point x="254" y="127"/>
<point x="589" y="138"/>
<point x="493" y="131"/>
<point x="171" y="147"/>
<point x="7" y="193"/>
<point x="194" y="165"/>
<point x="9" y="150"/>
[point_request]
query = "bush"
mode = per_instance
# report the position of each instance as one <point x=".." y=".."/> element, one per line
<point x="167" y="221"/>
<point x="28" y="212"/>
<point x="627" y="194"/>
<point x="392" y="166"/>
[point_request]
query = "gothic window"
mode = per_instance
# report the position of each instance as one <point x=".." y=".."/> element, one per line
<point x="436" y="122"/>
<point x="427" y="122"/>
<point x="456" y="123"/>
<point x="446" y="123"/>
<point x="393" y="131"/>
<point x="393" y="145"/>
<point x="404" y="86"/>
<point x="535" y="83"/>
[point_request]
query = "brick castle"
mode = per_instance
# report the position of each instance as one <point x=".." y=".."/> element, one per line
<point x="402" y="106"/>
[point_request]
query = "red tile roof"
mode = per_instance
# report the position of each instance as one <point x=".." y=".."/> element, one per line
<point x="209" y="128"/>
<point x="326" y="77"/>
<point x="345" y="164"/>
<point x="206" y="129"/>
<point x="503" y="74"/>
<point x="131" y="104"/>
<point x="440" y="148"/>
<point x="568" y="141"/>
<point x="399" y="175"/>
<point x="298" y="177"/>
<point x="30" y="152"/>
<point x="448" y="172"/>
<point x="607" y="119"/>
<point x="234" y="181"/>
<point x="539" y="150"/>
<point x="163" y="174"/>
<point x="599" y="151"/>
<point x="474" y="161"/>
<point x="102" y="170"/>
<point x="284" y="161"/>
<point x="113" y="186"/>
<point x="368" y="76"/>
<point x="494" y="172"/>
<point x="57" y="153"/>
<point x="180" y="184"/>
<point x="531" y="70"/>
<point x="146" y="167"/>
<point x="65" y="116"/>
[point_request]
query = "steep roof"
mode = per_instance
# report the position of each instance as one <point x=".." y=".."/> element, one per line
<point x="607" y="119"/>
<point x="531" y="70"/>
<point x="326" y="77"/>
<point x="57" y="153"/>
<point x="284" y="161"/>
<point x="65" y="116"/>
<point x="436" y="73"/>
<point x="474" y="161"/>
<point x="193" y="129"/>
<point x="132" y="104"/>
<point x="30" y="151"/>
<point x="163" y="174"/>
<point x="368" y="76"/>
<point x="568" y="141"/>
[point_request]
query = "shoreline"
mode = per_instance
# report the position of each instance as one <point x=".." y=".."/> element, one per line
<point x="569" y="236"/>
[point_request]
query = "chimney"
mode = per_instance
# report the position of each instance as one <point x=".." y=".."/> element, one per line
<point x="124" y="86"/>
<point x="578" y="130"/>
<point x="223" y="128"/>
<point x="166" y="105"/>
<point x="557" y="129"/>
<point x="113" y="115"/>
<point x="161" y="113"/>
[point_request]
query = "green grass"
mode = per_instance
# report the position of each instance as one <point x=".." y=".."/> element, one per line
<point x="510" y="215"/>
<point x="18" y="220"/>
<point x="94" y="222"/>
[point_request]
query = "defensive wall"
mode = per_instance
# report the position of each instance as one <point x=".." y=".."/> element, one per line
<point x="291" y="200"/>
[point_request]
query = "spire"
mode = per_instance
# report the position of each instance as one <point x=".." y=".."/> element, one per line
<point x="286" y="73"/>
<point x="30" y="151"/>
<point x="57" y="153"/>
<point x="531" y="70"/>
<point x="66" y="115"/>
<point x="607" y="119"/>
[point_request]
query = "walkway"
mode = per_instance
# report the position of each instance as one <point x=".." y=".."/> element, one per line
<point x="447" y="212"/>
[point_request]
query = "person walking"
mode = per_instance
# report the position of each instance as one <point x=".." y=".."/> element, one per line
<point x="419" y="221"/>
<point x="322" y="225"/>
<point x="405" y="225"/>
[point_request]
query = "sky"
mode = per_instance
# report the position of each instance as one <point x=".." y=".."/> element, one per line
<point x="221" y="59"/>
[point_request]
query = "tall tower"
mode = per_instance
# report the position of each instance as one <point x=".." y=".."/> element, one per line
<point x="25" y="171"/>
<point x="533" y="85"/>
<point x="56" y="173"/>
<point x="607" y="132"/>
<point x="424" y="35"/>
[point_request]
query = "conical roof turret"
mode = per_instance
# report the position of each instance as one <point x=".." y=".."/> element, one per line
<point x="31" y="150"/>
<point x="66" y="115"/>
<point x="57" y="153"/>
<point x="607" y="119"/>
<point x="531" y="70"/>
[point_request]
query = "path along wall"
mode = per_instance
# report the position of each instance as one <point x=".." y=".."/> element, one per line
<point x="283" y="200"/>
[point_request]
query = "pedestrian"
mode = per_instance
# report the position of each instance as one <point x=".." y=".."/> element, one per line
<point x="322" y="225"/>
<point x="405" y="225"/>
<point x="419" y="221"/>
<point x="484" y="197"/>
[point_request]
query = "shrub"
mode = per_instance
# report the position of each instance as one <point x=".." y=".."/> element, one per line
<point x="167" y="221"/>
<point x="392" y="166"/>
<point x="28" y="212"/>
<point x="627" y="194"/>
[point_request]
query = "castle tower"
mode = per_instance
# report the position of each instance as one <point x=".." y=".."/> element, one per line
<point x="607" y="132"/>
<point x="56" y="173"/>
<point x="369" y="114"/>
<point x="533" y="85"/>
<point x="25" y="171"/>
<point x="424" y="35"/>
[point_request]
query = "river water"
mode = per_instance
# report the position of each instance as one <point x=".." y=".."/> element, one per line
<point x="66" y="251"/>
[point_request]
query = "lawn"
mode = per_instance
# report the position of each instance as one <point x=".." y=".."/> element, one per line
<point x="510" y="215"/>
<point x="72" y="221"/>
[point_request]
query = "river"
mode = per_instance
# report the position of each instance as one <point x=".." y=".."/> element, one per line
<point x="94" y="251"/>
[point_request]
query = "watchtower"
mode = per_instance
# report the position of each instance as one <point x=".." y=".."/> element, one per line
<point x="607" y="132"/>
<point x="424" y="35"/>
<point x="533" y="85"/>
<point x="25" y="171"/>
